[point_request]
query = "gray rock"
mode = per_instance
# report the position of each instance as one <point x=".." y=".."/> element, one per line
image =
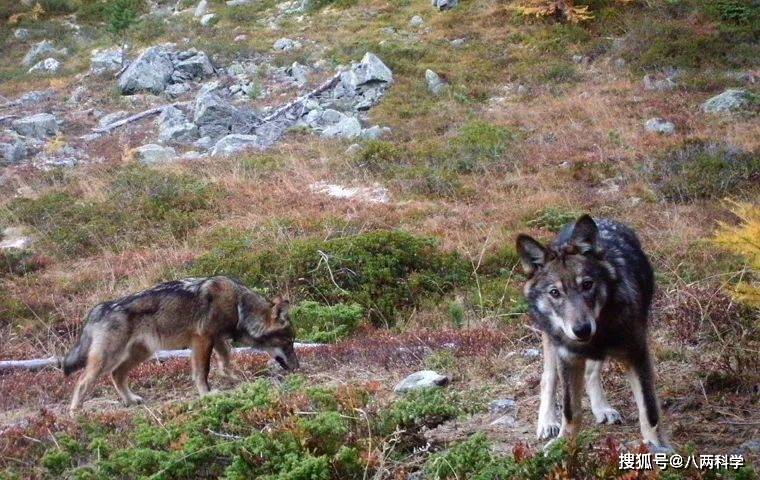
<point x="40" y="126"/>
<point x="504" y="421"/>
<point x="299" y="73"/>
<point x="503" y="406"/>
<point x="458" y="42"/>
<point x="375" y="132"/>
<point x="13" y="148"/>
<point x="15" y="238"/>
<point x="47" y="66"/>
<point x="45" y="48"/>
<point x="531" y="353"/>
<point x="729" y="101"/>
<point x="238" y="3"/>
<point x="435" y="83"/>
<point x="353" y="149"/>
<point x="112" y="117"/>
<point x="420" y="380"/>
<point x="176" y="90"/>
<point x="36" y="96"/>
<point x="209" y="20"/>
<point x="216" y="117"/>
<point x="371" y="69"/>
<point x="201" y="9"/>
<point x="195" y="66"/>
<point x="416" y="21"/>
<point x="204" y="143"/>
<point x="348" y="127"/>
<point x="445" y="4"/>
<point x="175" y="127"/>
<point x="21" y="34"/>
<point x="153" y="154"/>
<point x="658" y="125"/>
<point x="286" y="44"/>
<point x="151" y="72"/>
<point x="236" y="143"/>
<point x="106" y="61"/>
<point x="659" y="83"/>
<point x="749" y="447"/>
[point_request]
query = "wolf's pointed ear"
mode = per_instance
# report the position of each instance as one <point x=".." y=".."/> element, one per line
<point x="532" y="254"/>
<point x="584" y="234"/>
<point x="280" y="309"/>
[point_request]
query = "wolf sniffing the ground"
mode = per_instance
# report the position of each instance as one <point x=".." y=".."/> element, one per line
<point x="202" y="313"/>
<point x="589" y="294"/>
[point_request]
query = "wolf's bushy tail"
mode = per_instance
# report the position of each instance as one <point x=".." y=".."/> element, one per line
<point x="77" y="357"/>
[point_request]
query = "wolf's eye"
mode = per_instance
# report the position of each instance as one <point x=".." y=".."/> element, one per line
<point x="587" y="284"/>
<point x="554" y="293"/>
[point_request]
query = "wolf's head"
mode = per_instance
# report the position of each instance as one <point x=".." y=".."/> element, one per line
<point x="268" y="327"/>
<point x="568" y="284"/>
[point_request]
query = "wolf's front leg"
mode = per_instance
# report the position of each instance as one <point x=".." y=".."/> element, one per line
<point x="603" y="411"/>
<point x="201" y="360"/>
<point x="548" y="425"/>
<point x="571" y="370"/>
<point x="641" y="377"/>
<point x="224" y="360"/>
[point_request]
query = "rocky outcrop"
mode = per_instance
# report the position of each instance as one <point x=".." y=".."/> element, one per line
<point x="46" y="67"/>
<point x="150" y="72"/>
<point x="217" y="117"/>
<point x="13" y="148"/>
<point x="153" y="154"/>
<point x="174" y="127"/>
<point x="107" y="61"/>
<point x="40" y="126"/>
<point x="43" y="49"/>
<point x="236" y="143"/>
<point x="160" y="66"/>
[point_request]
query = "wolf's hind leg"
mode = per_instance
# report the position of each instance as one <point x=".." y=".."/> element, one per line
<point x="95" y="366"/>
<point x="224" y="360"/>
<point x="603" y="411"/>
<point x="548" y="425"/>
<point x="200" y="362"/>
<point x="137" y="354"/>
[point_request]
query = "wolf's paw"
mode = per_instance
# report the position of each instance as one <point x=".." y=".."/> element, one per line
<point x="608" y="416"/>
<point x="134" y="400"/>
<point x="547" y="429"/>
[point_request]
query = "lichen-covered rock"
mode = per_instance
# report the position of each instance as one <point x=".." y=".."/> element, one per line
<point x="347" y="127"/>
<point x="151" y="72"/>
<point x="209" y="20"/>
<point x="286" y="44"/>
<point x="729" y="101"/>
<point x="201" y="9"/>
<point x="153" y="154"/>
<point x="106" y="61"/>
<point x="192" y="65"/>
<point x="299" y="73"/>
<point x="236" y="143"/>
<point x="174" y="126"/>
<point x="13" y="148"/>
<point x="40" y="126"/>
<point x="445" y="4"/>
<point x="112" y="117"/>
<point x="45" y="48"/>
<point x="420" y="380"/>
<point x="215" y="116"/>
<point x="46" y="67"/>
<point x="658" y="125"/>
<point x="435" y="83"/>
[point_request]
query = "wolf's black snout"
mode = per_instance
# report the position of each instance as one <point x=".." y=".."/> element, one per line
<point x="582" y="331"/>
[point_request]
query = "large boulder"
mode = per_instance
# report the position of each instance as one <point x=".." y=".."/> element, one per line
<point x="175" y="127"/>
<point x="40" y="126"/>
<point x="151" y="72"/>
<point x="106" y="61"/>
<point x="348" y="127"/>
<point x="191" y="65"/>
<point x="236" y="143"/>
<point x="216" y="117"/>
<point x="153" y="154"/>
<point x="729" y="101"/>
<point x="370" y="69"/>
<point x="45" y="48"/>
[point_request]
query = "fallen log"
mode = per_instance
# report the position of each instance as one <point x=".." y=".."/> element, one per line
<point x="35" y="364"/>
<point x="136" y="116"/>
<point x="325" y="86"/>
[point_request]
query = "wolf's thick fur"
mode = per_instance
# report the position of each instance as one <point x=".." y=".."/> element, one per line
<point x="590" y="294"/>
<point x="202" y="313"/>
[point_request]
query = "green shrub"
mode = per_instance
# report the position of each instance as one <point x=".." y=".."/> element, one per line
<point x="552" y="218"/>
<point x="57" y="461"/>
<point x="478" y="143"/>
<point x="143" y="206"/>
<point x="704" y="169"/>
<point x="326" y="323"/>
<point x="327" y="430"/>
<point x="427" y="408"/>
<point x="383" y="271"/>
<point x="19" y="262"/>
<point x="379" y="156"/>
<point x="316" y="5"/>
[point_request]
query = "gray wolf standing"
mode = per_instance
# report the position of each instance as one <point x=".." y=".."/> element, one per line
<point x="589" y="294"/>
<point x="200" y="312"/>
